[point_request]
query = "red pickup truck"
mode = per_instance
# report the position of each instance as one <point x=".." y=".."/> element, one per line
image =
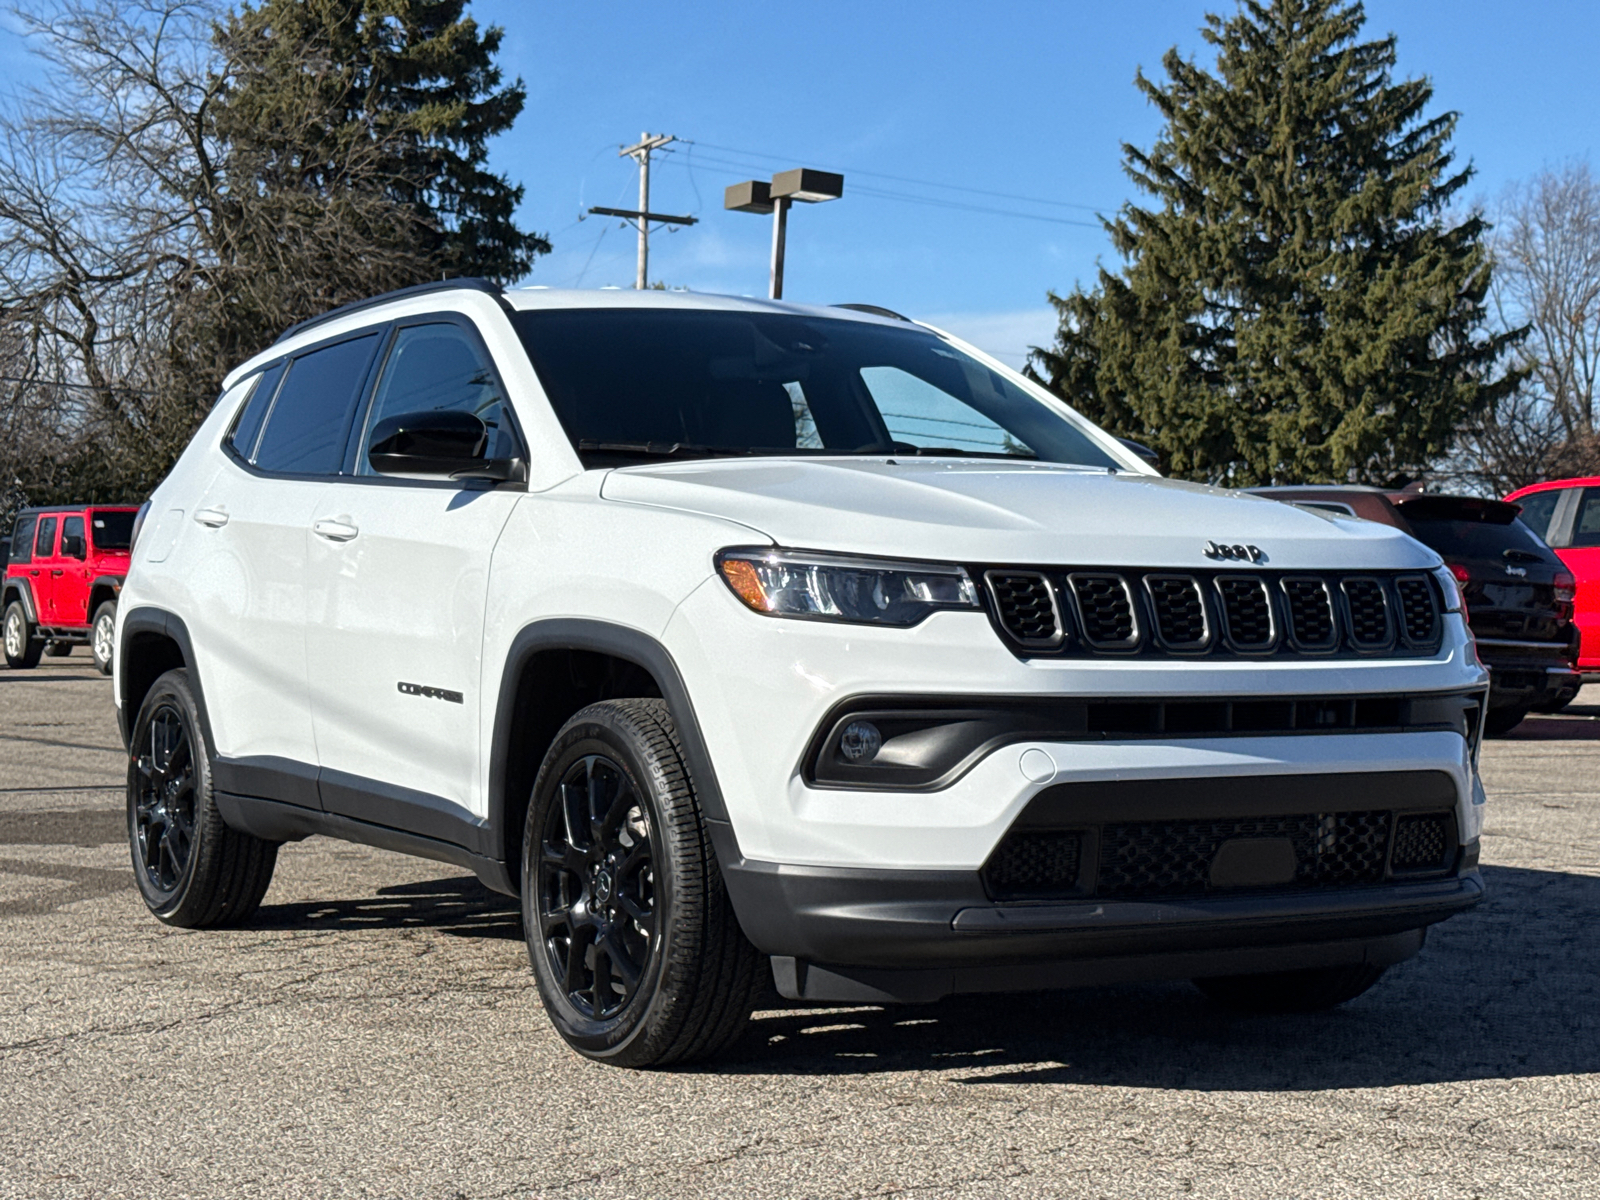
<point x="63" y="575"/>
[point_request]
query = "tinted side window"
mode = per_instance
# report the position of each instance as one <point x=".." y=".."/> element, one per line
<point x="306" y="427"/>
<point x="112" y="530"/>
<point x="44" y="542"/>
<point x="72" y="528"/>
<point x="1586" y="529"/>
<point x="22" y="540"/>
<point x="1538" y="508"/>
<point x="248" y="423"/>
<point x="434" y="367"/>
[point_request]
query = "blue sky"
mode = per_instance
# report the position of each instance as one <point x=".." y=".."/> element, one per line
<point x="1025" y="97"/>
<point x="1028" y="98"/>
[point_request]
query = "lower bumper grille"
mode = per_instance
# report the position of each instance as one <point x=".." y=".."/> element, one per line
<point x="1126" y="860"/>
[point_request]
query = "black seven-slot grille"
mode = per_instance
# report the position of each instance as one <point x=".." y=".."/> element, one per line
<point x="1184" y="857"/>
<point x="1088" y="612"/>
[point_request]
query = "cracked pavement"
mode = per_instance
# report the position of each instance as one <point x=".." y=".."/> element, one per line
<point x="375" y="1033"/>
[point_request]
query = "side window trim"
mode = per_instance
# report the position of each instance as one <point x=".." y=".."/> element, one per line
<point x="359" y="426"/>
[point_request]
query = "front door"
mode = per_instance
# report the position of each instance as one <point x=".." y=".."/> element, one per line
<point x="72" y="585"/>
<point x="397" y="584"/>
<point x="1582" y="556"/>
<point x="45" y="570"/>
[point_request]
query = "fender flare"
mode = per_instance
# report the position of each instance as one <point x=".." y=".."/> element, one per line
<point x="620" y="641"/>
<point x="111" y="583"/>
<point x="23" y="590"/>
<point x="158" y="621"/>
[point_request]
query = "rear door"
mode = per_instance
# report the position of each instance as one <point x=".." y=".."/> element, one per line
<point x="45" y="569"/>
<point x="248" y="589"/>
<point x="72" y="585"/>
<point x="397" y="585"/>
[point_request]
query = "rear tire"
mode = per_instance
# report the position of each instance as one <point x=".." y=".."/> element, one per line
<point x="637" y="953"/>
<point x="1313" y="990"/>
<point x="1502" y="721"/>
<point x="193" y="871"/>
<point x="102" y="636"/>
<point x="22" y="645"/>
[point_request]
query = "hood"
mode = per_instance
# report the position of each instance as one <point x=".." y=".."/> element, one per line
<point x="1014" y="513"/>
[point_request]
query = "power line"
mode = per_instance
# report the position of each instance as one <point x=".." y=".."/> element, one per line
<point x="931" y="201"/>
<point x="954" y="187"/>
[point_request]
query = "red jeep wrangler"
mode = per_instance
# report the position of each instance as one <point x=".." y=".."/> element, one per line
<point x="63" y="575"/>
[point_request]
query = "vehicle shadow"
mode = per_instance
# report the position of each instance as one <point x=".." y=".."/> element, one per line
<point x="1509" y="990"/>
<point x="1575" y="723"/>
<point x="459" y="905"/>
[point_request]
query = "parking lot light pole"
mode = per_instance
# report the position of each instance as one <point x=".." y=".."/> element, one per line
<point x="803" y="184"/>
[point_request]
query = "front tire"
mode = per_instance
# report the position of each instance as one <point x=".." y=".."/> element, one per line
<point x="637" y="953"/>
<point x="1313" y="990"/>
<point x="193" y="871"/>
<point x="103" y="636"/>
<point x="22" y="647"/>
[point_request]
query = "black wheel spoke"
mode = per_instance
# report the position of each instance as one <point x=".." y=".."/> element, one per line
<point x="595" y="906"/>
<point x="620" y="958"/>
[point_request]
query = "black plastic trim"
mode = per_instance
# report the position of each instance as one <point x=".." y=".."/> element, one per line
<point x="574" y="633"/>
<point x="268" y="777"/>
<point x="146" y="619"/>
<point x="990" y="722"/>
<point x="278" y="822"/>
<point x="24" y="592"/>
<point x="376" y="803"/>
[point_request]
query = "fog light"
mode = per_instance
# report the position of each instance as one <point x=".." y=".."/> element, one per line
<point x="860" y="742"/>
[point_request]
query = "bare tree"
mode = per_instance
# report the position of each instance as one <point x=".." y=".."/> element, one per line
<point x="1547" y="277"/>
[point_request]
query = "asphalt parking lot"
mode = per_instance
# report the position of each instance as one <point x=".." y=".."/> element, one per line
<point x="375" y="1033"/>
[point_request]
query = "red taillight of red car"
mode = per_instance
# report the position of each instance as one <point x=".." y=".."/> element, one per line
<point x="1566" y="587"/>
<point x="1463" y="576"/>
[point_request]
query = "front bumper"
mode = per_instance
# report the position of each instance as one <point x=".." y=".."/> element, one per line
<point x="912" y="936"/>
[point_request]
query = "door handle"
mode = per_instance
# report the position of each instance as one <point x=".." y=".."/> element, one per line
<point x="334" y="531"/>
<point x="56" y="572"/>
<point x="214" y="518"/>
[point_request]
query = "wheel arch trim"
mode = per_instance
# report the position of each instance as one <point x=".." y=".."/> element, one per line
<point x="158" y="622"/>
<point x="619" y="641"/>
<point x="21" y="590"/>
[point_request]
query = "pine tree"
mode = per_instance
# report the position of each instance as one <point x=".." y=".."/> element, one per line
<point x="1299" y="304"/>
<point x="414" y="84"/>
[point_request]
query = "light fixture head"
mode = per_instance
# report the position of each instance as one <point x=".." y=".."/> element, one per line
<point x="750" y="196"/>
<point x="803" y="183"/>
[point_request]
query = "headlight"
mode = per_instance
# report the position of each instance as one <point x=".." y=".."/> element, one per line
<point x="829" y="587"/>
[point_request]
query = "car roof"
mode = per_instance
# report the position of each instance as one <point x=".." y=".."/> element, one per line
<point x="476" y="292"/>
<point x="1547" y="484"/>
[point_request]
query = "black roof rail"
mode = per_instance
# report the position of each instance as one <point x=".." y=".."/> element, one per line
<point x="877" y="311"/>
<point x="469" y="284"/>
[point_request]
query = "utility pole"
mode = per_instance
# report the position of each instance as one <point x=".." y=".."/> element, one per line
<point x="640" y="152"/>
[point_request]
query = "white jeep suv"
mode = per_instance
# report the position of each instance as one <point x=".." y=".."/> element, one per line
<point x="734" y="636"/>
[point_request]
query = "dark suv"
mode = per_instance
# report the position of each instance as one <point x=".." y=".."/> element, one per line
<point x="1518" y="594"/>
<point x="62" y="580"/>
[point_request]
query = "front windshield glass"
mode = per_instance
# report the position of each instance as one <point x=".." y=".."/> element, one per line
<point x="642" y="383"/>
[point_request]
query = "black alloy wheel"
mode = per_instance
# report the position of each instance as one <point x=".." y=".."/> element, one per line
<point x="164" y="800"/>
<point x="597" y="887"/>
<point x="635" y="947"/>
<point x="193" y="870"/>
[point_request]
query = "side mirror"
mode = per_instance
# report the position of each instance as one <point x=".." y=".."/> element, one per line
<point x="429" y="443"/>
<point x="71" y="545"/>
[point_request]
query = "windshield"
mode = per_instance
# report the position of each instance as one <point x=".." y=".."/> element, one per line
<point x="113" y="530"/>
<point x="639" y="383"/>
